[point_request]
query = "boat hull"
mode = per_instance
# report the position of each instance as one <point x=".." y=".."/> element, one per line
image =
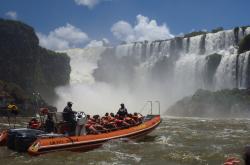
<point x="89" y="142"/>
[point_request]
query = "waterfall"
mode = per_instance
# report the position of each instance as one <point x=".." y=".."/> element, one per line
<point x="243" y="70"/>
<point x="164" y="70"/>
<point x="82" y="63"/>
<point x="225" y="76"/>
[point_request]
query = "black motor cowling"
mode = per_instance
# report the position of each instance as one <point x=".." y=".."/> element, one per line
<point x="20" y="139"/>
<point x="12" y="136"/>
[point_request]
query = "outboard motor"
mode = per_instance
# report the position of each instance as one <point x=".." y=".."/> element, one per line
<point x="21" y="139"/>
<point x="12" y="133"/>
<point x="81" y="120"/>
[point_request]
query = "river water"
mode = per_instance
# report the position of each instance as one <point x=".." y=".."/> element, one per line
<point x="177" y="141"/>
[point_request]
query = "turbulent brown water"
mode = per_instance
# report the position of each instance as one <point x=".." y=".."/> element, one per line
<point x="177" y="141"/>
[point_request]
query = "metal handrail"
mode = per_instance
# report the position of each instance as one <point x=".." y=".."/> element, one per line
<point x="151" y="106"/>
<point x="159" y="106"/>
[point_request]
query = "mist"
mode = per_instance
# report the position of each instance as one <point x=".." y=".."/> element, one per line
<point x="105" y="92"/>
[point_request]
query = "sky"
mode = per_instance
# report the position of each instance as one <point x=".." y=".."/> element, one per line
<point x="63" y="24"/>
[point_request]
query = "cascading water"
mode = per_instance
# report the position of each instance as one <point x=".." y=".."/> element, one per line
<point x="243" y="70"/>
<point x="167" y="70"/>
<point x="226" y="71"/>
<point x="82" y="63"/>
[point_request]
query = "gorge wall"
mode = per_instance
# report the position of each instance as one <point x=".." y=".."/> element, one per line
<point x="25" y="63"/>
<point x="216" y="104"/>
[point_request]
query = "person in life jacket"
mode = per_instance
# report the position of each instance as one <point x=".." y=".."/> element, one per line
<point x="98" y="124"/>
<point x="120" y="123"/>
<point x="106" y="116"/>
<point x="108" y="122"/>
<point x="137" y="117"/>
<point x="111" y="117"/>
<point x="34" y="124"/>
<point x="122" y="112"/>
<point x="129" y="119"/>
<point x="90" y="126"/>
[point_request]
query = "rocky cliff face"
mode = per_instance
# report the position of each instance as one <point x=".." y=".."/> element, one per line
<point x="24" y="62"/>
<point x="223" y="103"/>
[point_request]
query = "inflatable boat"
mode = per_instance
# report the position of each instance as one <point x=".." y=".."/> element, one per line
<point x="87" y="142"/>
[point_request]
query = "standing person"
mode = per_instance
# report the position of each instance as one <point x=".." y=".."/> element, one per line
<point x="69" y="116"/>
<point x="49" y="124"/>
<point x="122" y="112"/>
<point x="13" y="109"/>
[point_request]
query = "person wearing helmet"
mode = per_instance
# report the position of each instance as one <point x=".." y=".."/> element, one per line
<point x="122" y="112"/>
<point x="69" y="116"/>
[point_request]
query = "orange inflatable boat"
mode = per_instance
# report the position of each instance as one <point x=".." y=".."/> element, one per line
<point x="88" y="142"/>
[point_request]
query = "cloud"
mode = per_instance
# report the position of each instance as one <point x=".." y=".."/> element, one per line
<point x="89" y="3"/>
<point x="64" y="37"/>
<point x="96" y="43"/>
<point x="11" y="14"/>
<point x="144" y="29"/>
<point x="122" y="30"/>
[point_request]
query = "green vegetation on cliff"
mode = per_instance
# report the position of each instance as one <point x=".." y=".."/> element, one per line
<point x="27" y="104"/>
<point x="218" y="29"/>
<point x="195" y="33"/>
<point x="244" y="44"/>
<point x="223" y="103"/>
<point x="25" y="63"/>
